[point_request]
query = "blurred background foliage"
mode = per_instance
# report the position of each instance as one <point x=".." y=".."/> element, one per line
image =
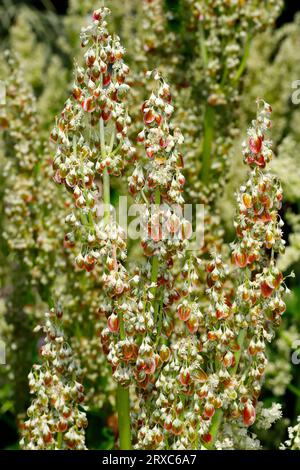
<point x="44" y="34"/>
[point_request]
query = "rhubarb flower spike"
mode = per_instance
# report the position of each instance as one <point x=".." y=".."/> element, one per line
<point x="259" y="295"/>
<point x="91" y="136"/>
<point x="55" y="420"/>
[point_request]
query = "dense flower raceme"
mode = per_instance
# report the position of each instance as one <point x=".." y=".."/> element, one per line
<point x="277" y="57"/>
<point x="55" y="418"/>
<point x="92" y="137"/>
<point x="259" y="238"/>
<point x="92" y="141"/>
<point x="259" y="232"/>
<point x="207" y="393"/>
<point x="157" y="183"/>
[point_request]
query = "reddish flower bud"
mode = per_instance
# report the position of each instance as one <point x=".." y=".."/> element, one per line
<point x="141" y="137"/>
<point x="76" y="92"/>
<point x="260" y="161"/>
<point x="106" y="114"/>
<point x="240" y="259"/>
<point x="177" y="427"/>
<point x="62" y="425"/>
<point x="249" y="415"/>
<point x="181" y="180"/>
<point x="90" y="58"/>
<point x="173" y="223"/>
<point x="88" y="105"/>
<point x="106" y="79"/>
<point x="228" y="359"/>
<point x="184" y="312"/>
<point x="149" y="116"/>
<point x="209" y="410"/>
<point x="149" y="366"/>
<point x="207" y="438"/>
<point x="266" y="290"/>
<point x="192" y="324"/>
<point x="158" y="119"/>
<point x="184" y="377"/>
<point x="113" y="323"/>
<point x="168" y="424"/>
<point x="277" y="281"/>
<point x="97" y="15"/>
<point x="255" y="144"/>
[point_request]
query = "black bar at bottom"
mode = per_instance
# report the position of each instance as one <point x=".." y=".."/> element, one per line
<point x="133" y="459"/>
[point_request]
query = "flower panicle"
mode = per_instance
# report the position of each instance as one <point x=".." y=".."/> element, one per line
<point x="55" y="420"/>
<point x="92" y="140"/>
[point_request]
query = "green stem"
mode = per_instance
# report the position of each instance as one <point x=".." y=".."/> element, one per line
<point x="214" y="429"/>
<point x="123" y="399"/>
<point x="59" y="440"/>
<point x="123" y="404"/>
<point x="244" y="61"/>
<point x="203" y="45"/>
<point x="123" y="407"/>
<point x="207" y="142"/>
<point x="294" y="390"/>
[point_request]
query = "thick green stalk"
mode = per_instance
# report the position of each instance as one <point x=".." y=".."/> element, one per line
<point x="215" y="425"/>
<point x="207" y="143"/>
<point x="123" y="399"/>
<point x="123" y="404"/>
<point x="59" y="440"/>
<point x="123" y="408"/>
<point x="244" y="60"/>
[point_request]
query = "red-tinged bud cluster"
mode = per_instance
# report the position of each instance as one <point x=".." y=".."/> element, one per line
<point x="158" y="177"/>
<point x="164" y="170"/>
<point x="98" y="91"/>
<point x="258" y="225"/>
<point x="258" y="152"/>
<point x="260" y="288"/>
<point x="54" y="419"/>
<point x="91" y="134"/>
